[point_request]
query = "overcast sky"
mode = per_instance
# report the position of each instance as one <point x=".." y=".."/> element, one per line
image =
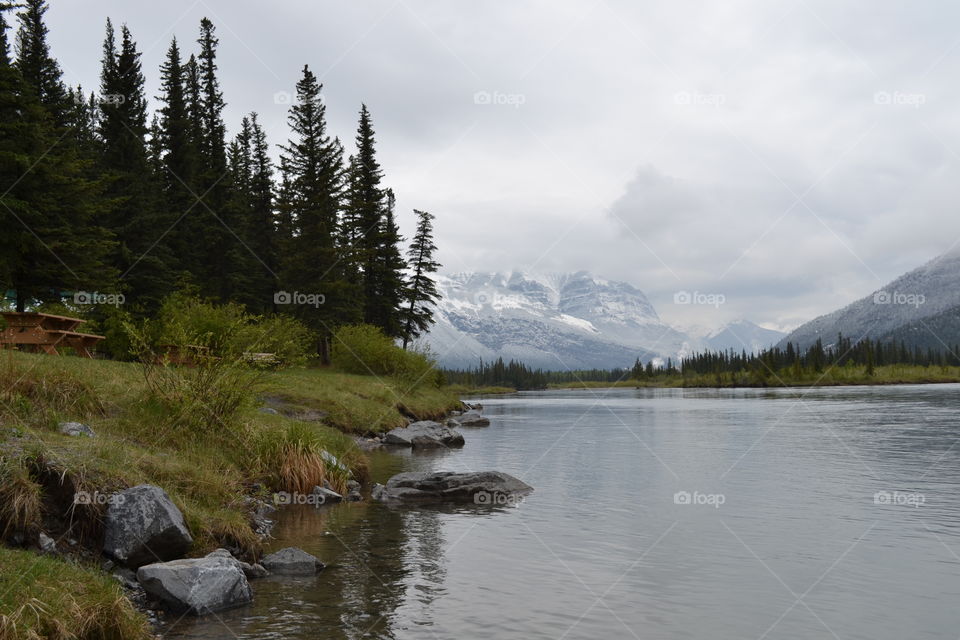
<point x="791" y="156"/>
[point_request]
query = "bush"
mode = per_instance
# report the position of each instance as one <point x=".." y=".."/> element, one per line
<point x="365" y="350"/>
<point x="225" y="331"/>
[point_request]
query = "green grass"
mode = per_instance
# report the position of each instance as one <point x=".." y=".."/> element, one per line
<point x="207" y="465"/>
<point x="43" y="597"/>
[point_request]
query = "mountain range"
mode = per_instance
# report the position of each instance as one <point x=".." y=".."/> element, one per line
<point x="921" y="308"/>
<point x="565" y="321"/>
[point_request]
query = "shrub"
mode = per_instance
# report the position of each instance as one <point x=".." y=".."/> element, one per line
<point x="365" y="350"/>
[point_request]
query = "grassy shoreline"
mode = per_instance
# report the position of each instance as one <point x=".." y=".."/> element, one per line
<point x="210" y="475"/>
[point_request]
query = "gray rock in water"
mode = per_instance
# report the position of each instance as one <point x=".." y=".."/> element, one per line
<point x="482" y="488"/>
<point x="425" y="434"/>
<point x="76" y="429"/>
<point x="292" y="562"/>
<point x="249" y="570"/>
<point x="143" y="525"/>
<point x="323" y="495"/>
<point x="472" y="418"/>
<point x="197" y="585"/>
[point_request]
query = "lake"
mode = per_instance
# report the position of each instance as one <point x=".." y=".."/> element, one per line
<point x="657" y="513"/>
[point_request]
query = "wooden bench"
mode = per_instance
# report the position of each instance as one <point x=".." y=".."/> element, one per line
<point x="46" y="332"/>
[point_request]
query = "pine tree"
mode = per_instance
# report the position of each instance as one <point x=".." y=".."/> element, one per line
<point x="52" y="242"/>
<point x="178" y="158"/>
<point x="224" y="268"/>
<point x="421" y="294"/>
<point x="313" y="183"/>
<point x="135" y="218"/>
<point x="391" y="267"/>
<point x="40" y="72"/>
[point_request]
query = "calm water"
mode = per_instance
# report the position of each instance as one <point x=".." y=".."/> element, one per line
<point x="793" y="536"/>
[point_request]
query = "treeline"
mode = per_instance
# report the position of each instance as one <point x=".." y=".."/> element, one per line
<point x="102" y="195"/>
<point x="770" y="365"/>
<point x="516" y="375"/>
<point x="792" y="361"/>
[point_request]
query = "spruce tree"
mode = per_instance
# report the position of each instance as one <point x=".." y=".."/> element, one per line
<point x="135" y="218"/>
<point x="53" y="243"/>
<point x="40" y="72"/>
<point x="391" y="267"/>
<point x="259" y="225"/>
<point x="178" y="158"/>
<point x="421" y="294"/>
<point x="313" y="183"/>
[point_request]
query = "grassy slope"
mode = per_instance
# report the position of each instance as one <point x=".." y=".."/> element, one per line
<point x="207" y="477"/>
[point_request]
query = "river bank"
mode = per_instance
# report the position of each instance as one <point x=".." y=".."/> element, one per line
<point x="296" y="432"/>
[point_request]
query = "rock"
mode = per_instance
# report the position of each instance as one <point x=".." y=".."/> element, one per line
<point x="292" y="562"/>
<point x="75" y="429"/>
<point x="269" y="411"/>
<point x="354" y="496"/>
<point x="472" y="418"/>
<point x="249" y="570"/>
<point x="126" y="577"/>
<point x="323" y="495"/>
<point x="47" y="544"/>
<point x="254" y="571"/>
<point x="378" y="492"/>
<point x="143" y="525"/>
<point x="482" y="488"/>
<point x="353" y="485"/>
<point x="332" y="461"/>
<point x="425" y="434"/>
<point x="197" y="585"/>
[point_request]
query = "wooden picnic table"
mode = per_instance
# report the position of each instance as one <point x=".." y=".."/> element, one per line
<point x="46" y="332"/>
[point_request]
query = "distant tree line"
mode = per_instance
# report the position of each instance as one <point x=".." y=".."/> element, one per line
<point x="790" y="362"/>
<point x="100" y="194"/>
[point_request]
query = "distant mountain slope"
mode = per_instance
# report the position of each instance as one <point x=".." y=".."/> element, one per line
<point x="925" y="292"/>
<point x="559" y="321"/>
<point x="937" y="332"/>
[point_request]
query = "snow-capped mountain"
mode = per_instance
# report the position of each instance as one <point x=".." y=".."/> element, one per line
<point x="897" y="310"/>
<point x="554" y="321"/>
<point x="743" y="335"/>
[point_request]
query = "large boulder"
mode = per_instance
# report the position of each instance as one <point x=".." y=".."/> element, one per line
<point x="472" y="418"/>
<point x="143" y="525"/>
<point x="482" y="488"/>
<point x="197" y="585"/>
<point x="292" y="562"/>
<point x="424" y="434"/>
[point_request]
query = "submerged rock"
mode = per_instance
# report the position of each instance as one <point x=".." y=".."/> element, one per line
<point x="482" y="488"/>
<point x="143" y="525"/>
<point x="292" y="562"/>
<point x="425" y="434"/>
<point x="197" y="585"/>
<point x="472" y="418"/>
<point x="323" y="495"/>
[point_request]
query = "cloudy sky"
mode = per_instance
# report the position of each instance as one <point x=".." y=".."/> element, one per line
<point x="791" y="156"/>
